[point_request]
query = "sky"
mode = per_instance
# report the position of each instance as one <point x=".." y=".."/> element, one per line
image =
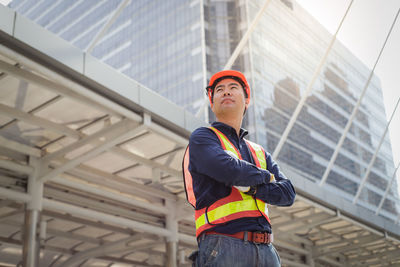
<point x="363" y="33"/>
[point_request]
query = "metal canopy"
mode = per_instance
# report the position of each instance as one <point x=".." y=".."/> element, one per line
<point x="102" y="172"/>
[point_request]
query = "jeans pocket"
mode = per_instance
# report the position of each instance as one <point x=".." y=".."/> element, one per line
<point x="211" y="249"/>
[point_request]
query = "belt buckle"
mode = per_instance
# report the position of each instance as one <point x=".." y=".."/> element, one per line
<point x="259" y="237"/>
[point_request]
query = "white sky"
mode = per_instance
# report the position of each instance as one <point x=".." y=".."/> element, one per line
<point x="5" y="2"/>
<point x="363" y="33"/>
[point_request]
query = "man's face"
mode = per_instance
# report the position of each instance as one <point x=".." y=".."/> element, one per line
<point x="229" y="98"/>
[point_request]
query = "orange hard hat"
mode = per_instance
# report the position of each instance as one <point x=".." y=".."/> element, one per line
<point x="227" y="74"/>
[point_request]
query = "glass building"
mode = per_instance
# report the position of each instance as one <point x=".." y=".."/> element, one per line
<point x="173" y="47"/>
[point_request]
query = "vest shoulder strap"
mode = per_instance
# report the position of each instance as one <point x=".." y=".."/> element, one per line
<point x="258" y="154"/>
<point x="226" y="143"/>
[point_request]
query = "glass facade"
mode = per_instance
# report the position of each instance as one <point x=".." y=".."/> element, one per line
<point x="173" y="46"/>
<point x="286" y="49"/>
<point x="157" y="43"/>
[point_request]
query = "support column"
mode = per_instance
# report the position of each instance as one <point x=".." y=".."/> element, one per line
<point x="31" y="241"/>
<point x="172" y="240"/>
<point x="31" y="245"/>
<point x="309" y="257"/>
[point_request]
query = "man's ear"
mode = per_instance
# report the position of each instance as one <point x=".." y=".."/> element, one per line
<point x="210" y="97"/>
<point x="247" y="102"/>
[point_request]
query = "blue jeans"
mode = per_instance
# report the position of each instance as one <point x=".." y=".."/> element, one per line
<point x="222" y="251"/>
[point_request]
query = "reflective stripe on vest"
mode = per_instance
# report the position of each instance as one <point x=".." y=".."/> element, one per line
<point x="226" y="144"/>
<point x="187" y="179"/>
<point x="237" y="204"/>
<point x="258" y="154"/>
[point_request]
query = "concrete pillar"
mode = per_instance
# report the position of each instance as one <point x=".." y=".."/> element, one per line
<point x="171" y="254"/>
<point x="31" y="245"/>
<point x="172" y="240"/>
<point x="309" y="257"/>
<point x="182" y="259"/>
<point x="310" y="260"/>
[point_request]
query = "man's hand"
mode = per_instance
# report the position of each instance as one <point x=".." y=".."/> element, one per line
<point x="243" y="189"/>
<point x="252" y="191"/>
<point x="249" y="190"/>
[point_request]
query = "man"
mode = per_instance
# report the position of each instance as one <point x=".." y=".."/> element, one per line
<point x="229" y="181"/>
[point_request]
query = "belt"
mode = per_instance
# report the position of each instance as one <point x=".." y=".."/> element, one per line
<point x="255" y="237"/>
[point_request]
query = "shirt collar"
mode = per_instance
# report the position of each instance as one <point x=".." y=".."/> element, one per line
<point x="226" y="129"/>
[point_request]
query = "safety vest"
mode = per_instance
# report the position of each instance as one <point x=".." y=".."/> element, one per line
<point x="237" y="204"/>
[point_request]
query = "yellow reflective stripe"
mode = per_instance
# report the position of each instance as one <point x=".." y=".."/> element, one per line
<point x="200" y="221"/>
<point x="262" y="206"/>
<point x="227" y="143"/>
<point x="260" y="154"/>
<point x="247" y="204"/>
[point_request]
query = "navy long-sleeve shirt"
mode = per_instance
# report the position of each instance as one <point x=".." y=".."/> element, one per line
<point x="214" y="172"/>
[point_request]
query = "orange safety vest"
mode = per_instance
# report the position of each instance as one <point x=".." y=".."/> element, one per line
<point x="237" y="204"/>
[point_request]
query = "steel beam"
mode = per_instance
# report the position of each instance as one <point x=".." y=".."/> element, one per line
<point x="108" y="248"/>
<point x="61" y="85"/>
<point x="119" y="136"/>
<point x="14" y="195"/>
<point x="74" y="236"/>
<point x="5" y="203"/>
<point x="33" y="120"/>
<point x="121" y="184"/>
<point x="105" y="132"/>
<point x="317" y="216"/>
<point x="121" y="152"/>
<point x="7" y="215"/>
<point x="330" y="262"/>
<point x="145" y="161"/>
<point x="290" y="246"/>
<point x="32" y="112"/>
<point x="21" y="148"/>
<point x="330" y="245"/>
<point x="287" y="262"/>
<point x="384" y="255"/>
<point x="13" y="166"/>
<point x="93" y="203"/>
<point x="107" y="218"/>
<point x="170" y="135"/>
<point x="45" y="83"/>
<point x="362" y="241"/>
<point x="94" y="189"/>
<point x="306" y="226"/>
